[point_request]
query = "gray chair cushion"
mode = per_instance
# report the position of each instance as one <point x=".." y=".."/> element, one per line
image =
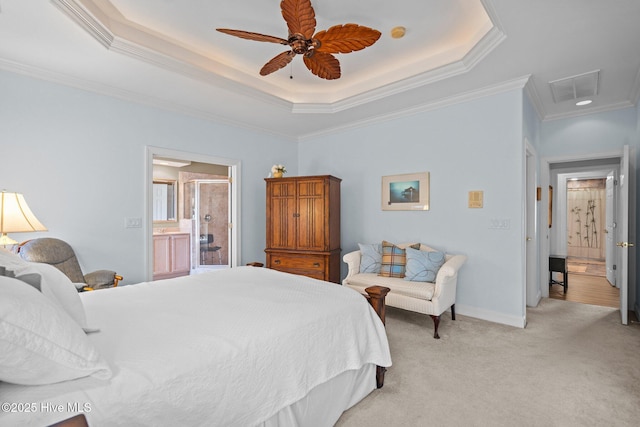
<point x="54" y="252"/>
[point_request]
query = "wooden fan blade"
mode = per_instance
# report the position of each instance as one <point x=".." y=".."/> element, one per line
<point x="323" y="65"/>
<point x="253" y="36"/>
<point x="299" y="16"/>
<point x="346" y="38"/>
<point x="278" y="62"/>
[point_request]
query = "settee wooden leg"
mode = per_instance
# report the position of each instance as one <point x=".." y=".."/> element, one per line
<point x="453" y="312"/>
<point x="436" y="323"/>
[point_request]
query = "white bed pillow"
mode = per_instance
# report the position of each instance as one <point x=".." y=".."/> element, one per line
<point x="54" y="284"/>
<point x="57" y="286"/>
<point x="39" y="342"/>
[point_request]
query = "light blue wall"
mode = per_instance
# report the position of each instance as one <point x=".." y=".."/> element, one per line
<point x="592" y="134"/>
<point x="477" y="145"/>
<point x="79" y="159"/>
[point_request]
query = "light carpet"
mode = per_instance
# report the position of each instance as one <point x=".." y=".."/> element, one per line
<point x="573" y="365"/>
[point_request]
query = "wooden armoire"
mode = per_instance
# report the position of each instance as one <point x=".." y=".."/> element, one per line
<point x="303" y="226"/>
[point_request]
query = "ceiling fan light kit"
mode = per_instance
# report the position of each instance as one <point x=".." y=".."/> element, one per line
<point x="316" y="50"/>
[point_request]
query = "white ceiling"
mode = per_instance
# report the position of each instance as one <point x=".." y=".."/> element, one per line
<point x="167" y="53"/>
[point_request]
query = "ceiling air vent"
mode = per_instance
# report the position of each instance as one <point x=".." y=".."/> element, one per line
<point x="576" y="87"/>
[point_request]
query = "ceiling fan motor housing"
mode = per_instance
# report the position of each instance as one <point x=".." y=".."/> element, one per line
<point x="300" y="45"/>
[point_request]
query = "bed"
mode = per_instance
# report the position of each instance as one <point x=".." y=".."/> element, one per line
<point x="239" y="347"/>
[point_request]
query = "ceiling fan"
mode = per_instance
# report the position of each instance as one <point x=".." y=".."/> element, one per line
<point x="316" y="49"/>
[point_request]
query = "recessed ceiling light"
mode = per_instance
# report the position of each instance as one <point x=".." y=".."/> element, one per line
<point x="584" y="102"/>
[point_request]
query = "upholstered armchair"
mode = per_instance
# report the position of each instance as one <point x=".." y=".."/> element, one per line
<point x="59" y="254"/>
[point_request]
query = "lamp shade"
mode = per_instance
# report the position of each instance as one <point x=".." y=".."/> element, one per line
<point x="16" y="217"/>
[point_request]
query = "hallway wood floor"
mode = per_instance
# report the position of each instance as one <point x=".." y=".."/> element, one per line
<point x="587" y="285"/>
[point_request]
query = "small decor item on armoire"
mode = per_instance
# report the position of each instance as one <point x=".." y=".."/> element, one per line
<point x="278" y="170"/>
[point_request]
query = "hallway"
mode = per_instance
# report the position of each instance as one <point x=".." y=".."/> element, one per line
<point x="587" y="284"/>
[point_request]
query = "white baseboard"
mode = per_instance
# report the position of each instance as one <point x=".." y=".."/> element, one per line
<point x="491" y="316"/>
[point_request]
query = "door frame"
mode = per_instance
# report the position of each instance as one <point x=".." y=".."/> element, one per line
<point x="545" y="176"/>
<point x="234" y="166"/>
<point x="532" y="292"/>
<point x="598" y="172"/>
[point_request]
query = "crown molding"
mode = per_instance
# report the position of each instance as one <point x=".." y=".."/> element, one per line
<point x="534" y="97"/>
<point x="86" y="20"/>
<point x="586" y="111"/>
<point x="138" y="98"/>
<point x="532" y="92"/>
<point x="635" y="90"/>
<point x="460" y="98"/>
<point x="492" y="39"/>
<point x="130" y="96"/>
<point x="117" y="34"/>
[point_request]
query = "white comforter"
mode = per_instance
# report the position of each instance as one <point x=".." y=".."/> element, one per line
<point x="226" y="348"/>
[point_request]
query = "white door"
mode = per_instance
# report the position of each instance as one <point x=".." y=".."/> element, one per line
<point x="623" y="236"/>
<point x="610" y="228"/>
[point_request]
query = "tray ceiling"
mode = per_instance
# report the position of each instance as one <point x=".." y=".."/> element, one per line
<point x="167" y="53"/>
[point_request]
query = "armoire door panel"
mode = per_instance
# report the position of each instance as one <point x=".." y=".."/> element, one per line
<point x="311" y="188"/>
<point x="311" y="224"/>
<point x="281" y="231"/>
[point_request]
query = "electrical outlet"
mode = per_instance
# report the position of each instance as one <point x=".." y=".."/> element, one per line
<point x="133" y="223"/>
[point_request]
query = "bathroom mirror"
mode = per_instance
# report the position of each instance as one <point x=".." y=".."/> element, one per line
<point x="165" y="200"/>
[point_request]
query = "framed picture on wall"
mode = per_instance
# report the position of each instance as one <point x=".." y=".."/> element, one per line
<point x="407" y="192"/>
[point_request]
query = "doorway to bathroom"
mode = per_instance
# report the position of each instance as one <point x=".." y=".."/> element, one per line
<point x="206" y="192"/>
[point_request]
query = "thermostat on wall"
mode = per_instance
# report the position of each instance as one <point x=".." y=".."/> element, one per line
<point x="475" y="199"/>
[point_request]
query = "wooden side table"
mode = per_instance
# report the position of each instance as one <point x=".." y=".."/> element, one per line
<point x="558" y="264"/>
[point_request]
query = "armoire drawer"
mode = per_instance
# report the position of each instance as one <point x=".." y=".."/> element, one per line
<point x="297" y="262"/>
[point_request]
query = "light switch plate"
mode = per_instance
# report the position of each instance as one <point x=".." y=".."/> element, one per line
<point x="500" y="224"/>
<point x="133" y="223"/>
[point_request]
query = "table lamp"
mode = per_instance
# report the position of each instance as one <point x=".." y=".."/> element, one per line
<point x="16" y="217"/>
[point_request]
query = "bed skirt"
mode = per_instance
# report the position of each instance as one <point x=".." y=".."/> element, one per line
<point x="325" y="403"/>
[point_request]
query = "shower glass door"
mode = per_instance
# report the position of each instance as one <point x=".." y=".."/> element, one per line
<point x="210" y="212"/>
